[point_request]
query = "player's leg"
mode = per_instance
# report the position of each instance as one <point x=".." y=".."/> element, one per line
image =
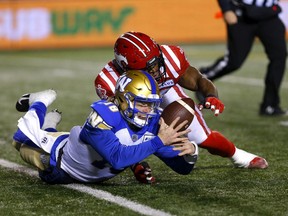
<point x="29" y="126"/>
<point x="25" y="101"/>
<point x="37" y="144"/>
<point x="215" y="142"/>
<point x="35" y="156"/>
<point x="51" y="120"/>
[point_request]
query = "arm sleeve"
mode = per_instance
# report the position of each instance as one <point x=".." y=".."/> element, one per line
<point x="177" y="163"/>
<point x="167" y="152"/>
<point x="118" y="155"/>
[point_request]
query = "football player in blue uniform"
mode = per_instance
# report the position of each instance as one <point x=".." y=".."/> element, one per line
<point x="116" y="135"/>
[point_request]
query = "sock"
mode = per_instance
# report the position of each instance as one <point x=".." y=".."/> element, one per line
<point x="242" y="158"/>
<point x="51" y="121"/>
<point x="46" y="97"/>
<point x="217" y="144"/>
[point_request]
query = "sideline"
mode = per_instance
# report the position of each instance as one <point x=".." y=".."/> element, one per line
<point x="99" y="194"/>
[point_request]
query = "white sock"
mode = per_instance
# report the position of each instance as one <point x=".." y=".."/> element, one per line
<point x="52" y="119"/>
<point x="242" y="158"/>
<point x="47" y="97"/>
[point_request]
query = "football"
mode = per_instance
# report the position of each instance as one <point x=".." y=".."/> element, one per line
<point x="183" y="108"/>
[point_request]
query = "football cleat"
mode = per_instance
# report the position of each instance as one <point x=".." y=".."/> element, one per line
<point x="22" y="105"/>
<point x="258" y="163"/>
<point x="52" y="119"/>
<point x="143" y="173"/>
<point x="243" y="159"/>
<point x="46" y="97"/>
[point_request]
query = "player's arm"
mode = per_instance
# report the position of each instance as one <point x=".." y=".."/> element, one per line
<point x="99" y="135"/>
<point x="181" y="157"/>
<point x="189" y="77"/>
<point x="193" y="80"/>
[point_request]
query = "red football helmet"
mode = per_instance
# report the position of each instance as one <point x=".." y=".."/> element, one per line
<point x="137" y="51"/>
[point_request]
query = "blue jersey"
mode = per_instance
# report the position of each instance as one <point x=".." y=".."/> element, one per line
<point x="118" y="142"/>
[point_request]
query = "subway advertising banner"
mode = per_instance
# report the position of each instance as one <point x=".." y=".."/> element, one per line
<point x="54" y="24"/>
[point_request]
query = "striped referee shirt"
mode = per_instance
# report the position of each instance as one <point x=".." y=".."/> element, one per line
<point x="225" y="5"/>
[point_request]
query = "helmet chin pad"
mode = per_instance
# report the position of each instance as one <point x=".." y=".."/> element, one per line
<point x="140" y="122"/>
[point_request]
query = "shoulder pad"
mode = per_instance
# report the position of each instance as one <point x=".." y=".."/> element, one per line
<point x="108" y="111"/>
<point x="96" y="121"/>
<point x="177" y="50"/>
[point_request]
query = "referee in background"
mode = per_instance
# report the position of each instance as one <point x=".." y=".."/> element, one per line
<point x="245" y="20"/>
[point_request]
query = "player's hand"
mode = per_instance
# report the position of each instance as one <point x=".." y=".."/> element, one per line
<point x="185" y="148"/>
<point x="214" y="104"/>
<point x="170" y="134"/>
<point x="143" y="173"/>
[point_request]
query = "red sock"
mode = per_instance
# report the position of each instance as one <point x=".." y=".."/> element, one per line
<point x="217" y="144"/>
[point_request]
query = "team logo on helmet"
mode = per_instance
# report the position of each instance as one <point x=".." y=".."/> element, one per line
<point x="101" y="92"/>
<point x="121" y="60"/>
<point x="122" y="83"/>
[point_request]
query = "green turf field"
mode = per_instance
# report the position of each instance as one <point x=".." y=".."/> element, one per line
<point x="214" y="187"/>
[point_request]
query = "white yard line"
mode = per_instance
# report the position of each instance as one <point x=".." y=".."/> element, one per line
<point x="99" y="194"/>
<point x="284" y="123"/>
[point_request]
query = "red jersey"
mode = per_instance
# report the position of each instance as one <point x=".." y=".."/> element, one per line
<point x="175" y="64"/>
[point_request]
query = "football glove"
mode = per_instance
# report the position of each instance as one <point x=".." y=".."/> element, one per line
<point x="213" y="103"/>
<point x="143" y="173"/>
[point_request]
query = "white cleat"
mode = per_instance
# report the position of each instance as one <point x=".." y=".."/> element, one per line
<point x="47" y="97"/>
<point x="52" y="119"/>
<point x="243" y="159"/>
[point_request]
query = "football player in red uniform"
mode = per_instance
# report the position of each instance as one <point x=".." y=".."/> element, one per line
<point x="170" y="67"/>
